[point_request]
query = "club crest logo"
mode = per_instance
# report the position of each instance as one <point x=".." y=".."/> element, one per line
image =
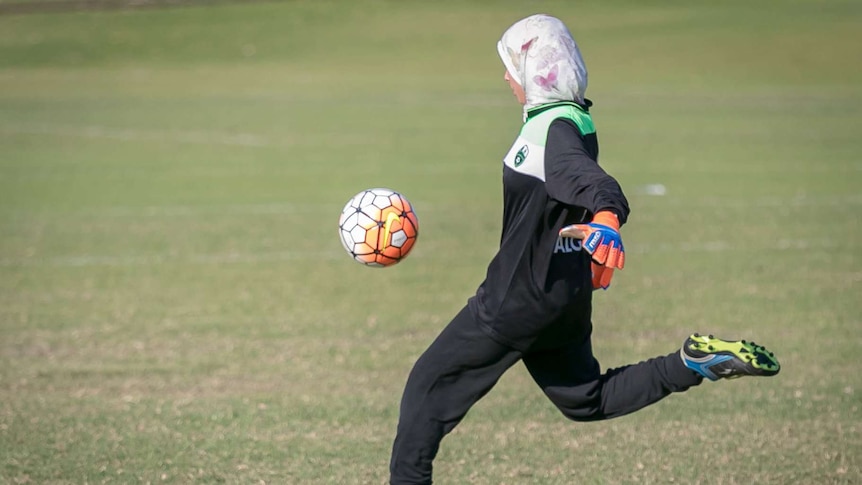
<point x="521" y="155"/>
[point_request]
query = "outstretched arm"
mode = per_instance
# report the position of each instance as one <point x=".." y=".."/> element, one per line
<point x="574" y="177"/>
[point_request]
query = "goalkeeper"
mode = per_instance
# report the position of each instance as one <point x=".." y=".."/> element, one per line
<point x="560" y="240"/>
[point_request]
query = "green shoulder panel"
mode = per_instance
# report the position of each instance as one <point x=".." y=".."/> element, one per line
<point x="535" y="130"/>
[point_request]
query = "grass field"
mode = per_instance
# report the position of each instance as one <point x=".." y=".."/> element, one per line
<point x="175" y="306"/>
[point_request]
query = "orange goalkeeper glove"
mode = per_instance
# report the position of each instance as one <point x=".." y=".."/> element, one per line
<point x="601" y="238"/>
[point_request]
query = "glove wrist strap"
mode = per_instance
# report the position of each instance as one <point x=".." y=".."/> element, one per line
<point x="607" y="218"/>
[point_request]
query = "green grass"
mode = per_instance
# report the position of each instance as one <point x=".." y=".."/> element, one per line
<point x="175" y="306"/>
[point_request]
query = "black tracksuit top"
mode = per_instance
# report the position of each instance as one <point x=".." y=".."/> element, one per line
<point x="537" y="291"/>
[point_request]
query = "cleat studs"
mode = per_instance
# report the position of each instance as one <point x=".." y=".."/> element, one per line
<point x="696" y="335"/>
<point x="711" y="347"/>
<point x="711" y="336"/>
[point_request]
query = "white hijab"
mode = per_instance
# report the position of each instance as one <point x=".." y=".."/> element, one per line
<point x="541" y="55"/>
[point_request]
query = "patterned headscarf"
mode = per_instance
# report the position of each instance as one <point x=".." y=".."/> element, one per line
<point x="541" y="55"/>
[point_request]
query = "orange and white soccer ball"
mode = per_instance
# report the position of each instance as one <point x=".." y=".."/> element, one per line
<point x="378" y="227"/>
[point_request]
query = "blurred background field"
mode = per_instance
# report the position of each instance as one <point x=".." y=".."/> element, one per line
<point x="175" y="306"/>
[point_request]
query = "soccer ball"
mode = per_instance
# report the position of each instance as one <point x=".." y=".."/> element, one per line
<point x="378" y="227"/>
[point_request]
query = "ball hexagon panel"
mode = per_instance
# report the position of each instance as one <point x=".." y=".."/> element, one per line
<point x="396" y="202"/>
<point x="381" y="201"/>
<point x="398" y="238"/>
<point x="348" y="220"/>
<point x="372" y="237"/>
<point x="357" y="234"/>
<point x="366" y="199"/>
<point x="362" y="249"/>
<point x="372" y="213"/>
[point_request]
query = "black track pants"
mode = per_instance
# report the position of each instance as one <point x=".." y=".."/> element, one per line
<point x="464" y="363"/>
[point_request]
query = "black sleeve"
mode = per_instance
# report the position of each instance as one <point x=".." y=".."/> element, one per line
<point x="574" y="177"/>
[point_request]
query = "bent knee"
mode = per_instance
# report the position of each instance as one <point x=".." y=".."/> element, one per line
<point x="583" y="413"/>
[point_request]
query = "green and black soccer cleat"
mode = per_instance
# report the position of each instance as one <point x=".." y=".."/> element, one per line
<point x="715" y="359"/>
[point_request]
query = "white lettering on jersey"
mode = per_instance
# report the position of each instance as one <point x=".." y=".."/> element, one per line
<point x="567" y="245"/>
